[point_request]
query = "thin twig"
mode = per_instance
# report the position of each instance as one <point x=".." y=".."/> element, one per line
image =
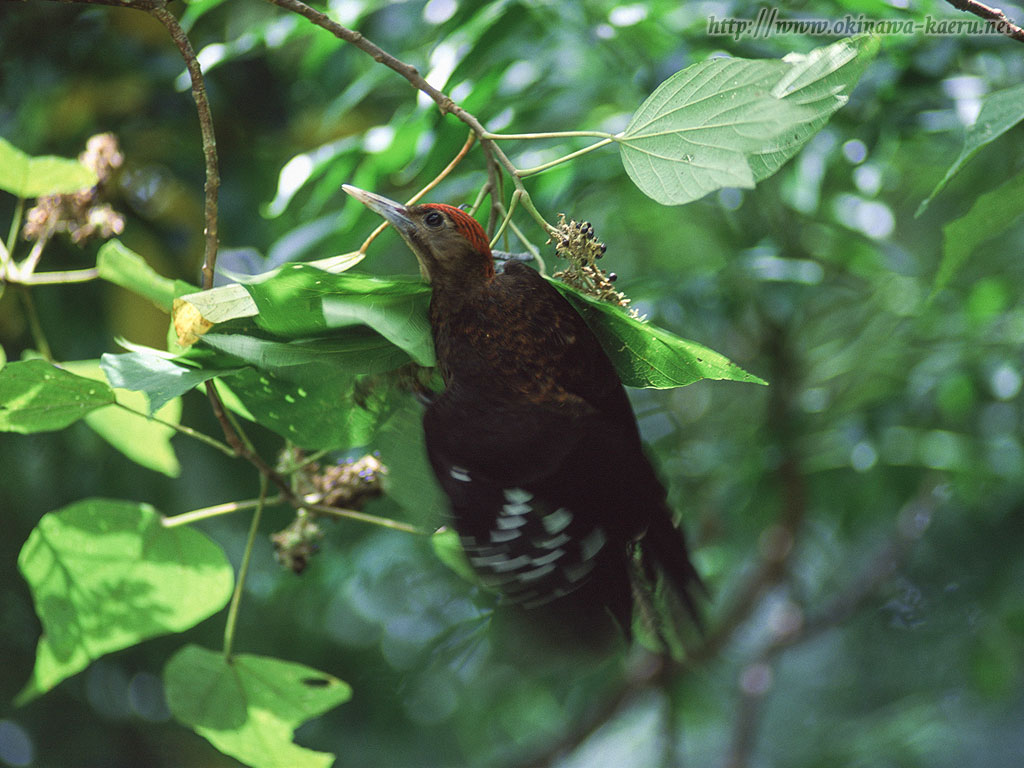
<point x="240" y="445"/>
<point x="183" y="429"/>
<point x="230" y="507"/>
<point x="59" y="278"/>
<point x="196" y="515"/>
<point x="28" y="266"/>
<point x="195" y="73"/>
<point x="243" y="570"/>
<point x="12" y="237"/>
<point x="470" y="140"/>
<point x="523" y="172"/>
<point x="363" y="517"/>
<point x="35" y="325"/>
<point x="999" y="21"/>
<point x="231" y="433"/>
<point x="550" y="135"/>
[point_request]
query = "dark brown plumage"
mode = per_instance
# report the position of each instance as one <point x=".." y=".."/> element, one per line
<point x="534" y="440"/>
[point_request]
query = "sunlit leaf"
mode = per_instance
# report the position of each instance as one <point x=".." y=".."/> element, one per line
<point x="37" y="396"/>
<point x="26" y="176"/>
<point x="142" y="440"/>
<point x="730" y="122"/>
<point x="161" y="379"/>
<point x="1000" y="111"/>
<point x="196" y="313"/>
<point x="105" y="575"/>
<point x="302" y="301"/>
<point x="250" y="706"/>
<point x="319" y="413"/>
<point x="119" y="264"/>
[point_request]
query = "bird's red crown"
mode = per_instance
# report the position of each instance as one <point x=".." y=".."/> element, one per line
<point x="467" y="226"/>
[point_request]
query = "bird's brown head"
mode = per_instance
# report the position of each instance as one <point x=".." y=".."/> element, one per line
<point x="449" y="244"/>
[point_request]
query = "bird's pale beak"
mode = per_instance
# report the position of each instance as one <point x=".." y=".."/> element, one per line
<point x="394" y="213"/>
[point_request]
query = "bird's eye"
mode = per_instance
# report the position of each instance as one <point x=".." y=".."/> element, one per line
<point x="434" y="219"/>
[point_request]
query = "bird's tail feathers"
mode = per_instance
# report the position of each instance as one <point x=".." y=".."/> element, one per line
<point x="667" y="587"/>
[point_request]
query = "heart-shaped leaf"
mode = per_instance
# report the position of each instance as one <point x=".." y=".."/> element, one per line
<point x="105" y="575"/>
<point x="249" y="706"/>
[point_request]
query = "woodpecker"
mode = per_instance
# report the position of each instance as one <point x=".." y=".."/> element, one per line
<point x="533" y="439"/>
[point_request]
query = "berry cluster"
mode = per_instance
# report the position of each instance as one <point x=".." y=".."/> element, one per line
<point x="576" y="242"/>
<point x="348" y="485"/>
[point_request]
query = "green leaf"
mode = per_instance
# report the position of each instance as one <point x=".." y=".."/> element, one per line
<point x="305" y="390"/>
<point x="1000" y="111"/>
<point x="141" y="439"/>
<point x="320" y="413"/>
<point x="37" y="396"/>
<point x="357" y="350"/>
<point x="410" y="481"/>
<point x="162" y="380"/>
<point x="819" y="84"/>
<point x="250" y="706"/>
<point x="195" y="313"/>
<point x="26" y="176"/>
<point x="122" y="266"/>
<point x="729" y="122"/>
<point x="303" y="301"/>
<point x="446" y="545"/>
<point x="648" y="356"/>
<point x="105" y="575"/>
<point x="992" y="214"/>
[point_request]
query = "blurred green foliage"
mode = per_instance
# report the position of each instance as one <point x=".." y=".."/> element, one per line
<point x="892" y="424"/>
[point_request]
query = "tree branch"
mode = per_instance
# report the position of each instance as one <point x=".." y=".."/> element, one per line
<point x="195" y="73"/>
<point x="496" y="158"/>
<point x="994" y="16"/>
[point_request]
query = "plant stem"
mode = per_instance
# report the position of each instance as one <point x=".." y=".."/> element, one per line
<point x="351" y="514"/>
<point x="507" y="217"/>
<point x="28" y="266"/>
<point x="243" y="570"/>
<point x="419" y="195"/>
<point x="12" y="237"/>
<point x="534" y="251"/>
<point x="200" y="436"/>
<point x="61" y="278"/>
<point x="484" y="190"/>
<point x="170" y="22"/>
<point x="38" y="335"/>
<point x="306" y="461"/>
<point x="565" y="158"/>
<point x="527" y="202"/>
<point x="548" y="135"/>
<point x="196" y="515"/>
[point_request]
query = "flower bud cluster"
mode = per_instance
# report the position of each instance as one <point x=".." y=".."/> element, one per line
<point x="575" y="241"/>
<point x="82" y="214"/>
